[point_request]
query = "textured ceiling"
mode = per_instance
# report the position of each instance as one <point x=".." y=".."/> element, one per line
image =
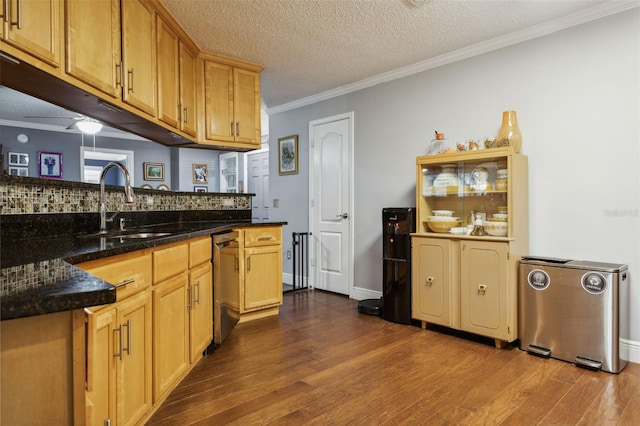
<point x="311" y="46"/>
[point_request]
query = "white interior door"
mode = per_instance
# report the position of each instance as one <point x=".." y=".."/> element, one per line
<point x="331" y="148"/>
<point x="258" y="167"/>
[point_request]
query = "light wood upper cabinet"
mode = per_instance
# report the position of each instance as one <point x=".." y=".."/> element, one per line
<point x="188" y="115"/>
<point x="176" y="80"/>
<point x="34" y="27"/>
<point x="246" y="105"/>
<point x="139" y="55"/>
<point x="93" y="53"/>
<point x="231" y="104"/>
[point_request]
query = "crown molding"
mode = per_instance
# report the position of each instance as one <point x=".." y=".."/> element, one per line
<point x="587" y="15"/>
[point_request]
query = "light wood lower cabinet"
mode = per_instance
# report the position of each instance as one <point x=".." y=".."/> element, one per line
<point x="118" y="347"/>
<point x="465" y="284"/>
<point x="262" y="282"/>
<point x="170" y="333"/>
<point x="118" y="362"/>
<point x="251" y="272"/>
<point x="201" y="310"/>
<point x="139" y="348"/>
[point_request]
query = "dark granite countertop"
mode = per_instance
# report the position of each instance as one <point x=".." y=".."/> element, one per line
<point x="61" y="285"/>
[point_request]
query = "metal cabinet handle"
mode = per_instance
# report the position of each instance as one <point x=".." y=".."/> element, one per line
<point x="197" y="299"/>
<point x="186" y="115"/>
<point x="128" y="348"/>
<point x="131" y="81"/>
<point x="237" y="128"/>
<point x="125" y="282"/>
<point x="119" y="74"/>
<point x="189" y="297"/>
<point x="18" y="21"/>
<point x="249" y="264"/>
<point x="265" y="238"/>
<point x="5" y="10"/>
<point x="236" y="266"/>
<point x="179" y="112"/>
<point x="120" y="353"/>
<point x="232" y="129"/>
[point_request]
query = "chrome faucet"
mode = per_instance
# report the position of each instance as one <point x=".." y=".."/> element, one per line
<point x="128" y="192"/>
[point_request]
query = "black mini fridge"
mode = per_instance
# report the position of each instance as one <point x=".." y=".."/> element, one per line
<point x="397" y="225"/>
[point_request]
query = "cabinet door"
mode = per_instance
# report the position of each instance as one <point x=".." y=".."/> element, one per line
<point x="170" y="333"/>
<point x="101" y="367"/>
<point x="483" y="289"/>
<point x="93" y="44"/>
<point x="168" y="73"/>
<point x="262" y="277"/>
<point x="246" y="106"/>
<point x="134" y="372"/>
<point x="218" y="105"/>
<point x="431" y="285"/>
<point x="34" y="28"/>
<point x="187" y="75"/>
<point x="139" y="56"/>
<point x="200" y="315"/>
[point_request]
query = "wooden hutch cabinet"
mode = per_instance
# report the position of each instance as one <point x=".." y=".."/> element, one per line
<point x="461" y="280"/>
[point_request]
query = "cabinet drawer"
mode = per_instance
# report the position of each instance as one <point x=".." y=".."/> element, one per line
<point x="262" y="236"/>
<point x="130" y="271"/>
<point x="169" y="261"/>
<point x="199" y="251"/>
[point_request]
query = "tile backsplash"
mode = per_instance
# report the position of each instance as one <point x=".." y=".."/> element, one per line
<point x="19" y="195"/>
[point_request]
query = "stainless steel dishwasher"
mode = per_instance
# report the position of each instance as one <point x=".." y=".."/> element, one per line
<point x="571" y="310"/>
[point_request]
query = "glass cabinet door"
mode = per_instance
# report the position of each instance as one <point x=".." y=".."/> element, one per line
<point x="454" y="195"/>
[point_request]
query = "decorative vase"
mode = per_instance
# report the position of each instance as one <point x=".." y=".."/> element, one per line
<point x="510" y="131"/>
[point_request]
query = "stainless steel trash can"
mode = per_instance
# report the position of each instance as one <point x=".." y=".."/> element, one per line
<point x="570" y="310"/>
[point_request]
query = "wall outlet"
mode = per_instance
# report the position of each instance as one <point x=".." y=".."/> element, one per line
<point x="276" y="202"/>
<point x="288" y="254"/>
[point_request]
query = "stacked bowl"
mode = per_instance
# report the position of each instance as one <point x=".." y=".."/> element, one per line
<point x="442" y="221"/>
<point x="497" y="225"/>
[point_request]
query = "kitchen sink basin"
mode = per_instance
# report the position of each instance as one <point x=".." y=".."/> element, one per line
<point x="124" y="235"/>
<point x="140" y="235"/>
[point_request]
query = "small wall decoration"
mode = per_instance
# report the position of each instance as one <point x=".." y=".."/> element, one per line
<point x="200" y="173"/>
<point x="163" y="187"/>
<point x="19" y="171"/>
<point x="153" y="171"/>
<point x="18" y="159"/>
<point x="288" y="155"/>
<point x="200" y="188"/>
<point x="49" y="164"/>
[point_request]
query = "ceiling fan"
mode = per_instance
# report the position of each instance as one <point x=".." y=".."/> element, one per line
<point x="85" y="124"/>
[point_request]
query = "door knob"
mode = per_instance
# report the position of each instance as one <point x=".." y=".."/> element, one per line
<point x="343" y="215"/>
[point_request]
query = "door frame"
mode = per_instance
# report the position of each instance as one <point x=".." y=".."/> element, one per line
<point x="312" y="171"/>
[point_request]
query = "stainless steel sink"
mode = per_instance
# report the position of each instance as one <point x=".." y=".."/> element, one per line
<point x="124" y="235"/>
<point x="140" y="235"/>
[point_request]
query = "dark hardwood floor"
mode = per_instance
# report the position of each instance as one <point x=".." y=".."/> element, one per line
<point x="323" y="363"/>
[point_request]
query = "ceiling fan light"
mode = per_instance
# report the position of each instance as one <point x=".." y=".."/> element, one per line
<point x="89" y="127"/>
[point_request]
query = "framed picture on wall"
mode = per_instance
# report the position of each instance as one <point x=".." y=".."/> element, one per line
<point x="200" y="173"/>
<point x="288" y="155"/>
<point x="18" y="159"/>
<point x="153" y="171"/>
<point x="49" y="164"/>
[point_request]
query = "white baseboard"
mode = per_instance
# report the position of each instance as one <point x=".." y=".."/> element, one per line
<point x="360" y="293"/>
<point x="630" y="350"/>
